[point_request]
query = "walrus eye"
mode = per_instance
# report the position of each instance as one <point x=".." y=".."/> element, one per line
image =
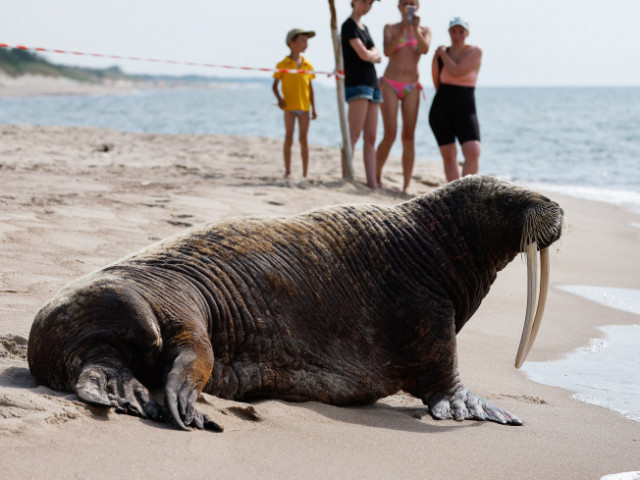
<point x="509" y="200"/>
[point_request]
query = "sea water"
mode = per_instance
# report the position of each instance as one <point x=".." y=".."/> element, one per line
<point x="579" y="141"/>
<point x="605" y="372"/>
<point x="570" y="138"/>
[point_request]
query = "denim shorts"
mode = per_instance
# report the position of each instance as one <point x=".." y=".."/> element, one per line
<point x="363" y="91"/>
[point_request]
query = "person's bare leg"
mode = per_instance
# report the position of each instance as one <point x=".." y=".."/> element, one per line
<point x="449" y="154"/>
<point x="389" y="109"/>
<point x="289" y="125"/>
<point x="410" y="108"/>
<point x="471" y="153"/>
<point x="303" y="125"/>
<point x="356" y="116"/>
<point x="369" y="148"/>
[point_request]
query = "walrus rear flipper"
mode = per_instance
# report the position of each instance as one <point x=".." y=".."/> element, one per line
<point x="108" y="383"/>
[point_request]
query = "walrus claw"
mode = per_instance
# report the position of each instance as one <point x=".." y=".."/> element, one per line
<point x="181" y="408"/>
<point x="462" y="404"/>
<point x="182" y="411"/>
<point x="180" y="396"/>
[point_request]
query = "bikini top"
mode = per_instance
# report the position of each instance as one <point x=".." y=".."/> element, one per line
<point x="407" y="42"/>
<point x="469" y="79"/>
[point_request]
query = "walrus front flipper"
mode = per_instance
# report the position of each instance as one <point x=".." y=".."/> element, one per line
<point x="462" y="404"/>
<point x="105" y="385"/>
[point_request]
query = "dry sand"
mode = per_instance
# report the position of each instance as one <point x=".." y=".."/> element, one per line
<point x="74" y="199"/>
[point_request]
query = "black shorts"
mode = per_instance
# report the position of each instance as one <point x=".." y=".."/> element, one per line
<point x="453" y="115"/>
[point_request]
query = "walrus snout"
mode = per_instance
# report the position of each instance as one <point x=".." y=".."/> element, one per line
<point x="542" y="224"/>
<point x="554" y="230"/>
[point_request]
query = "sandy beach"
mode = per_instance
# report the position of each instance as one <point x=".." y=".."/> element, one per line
<point x="75" y="199"/>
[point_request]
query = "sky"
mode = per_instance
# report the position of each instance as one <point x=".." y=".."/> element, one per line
<point x="533" y="43"/>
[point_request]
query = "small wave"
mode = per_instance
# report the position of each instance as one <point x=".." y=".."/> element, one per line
<point x="625" y="299"/>
<point x="597" y="345"/>
<point x="604" y="373"/>
<point x="594" y="401"/>
<point x="622" y="476"/>
<point x="627" y="198"/>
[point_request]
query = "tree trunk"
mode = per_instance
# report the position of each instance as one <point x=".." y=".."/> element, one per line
<point x="347" y="159"/>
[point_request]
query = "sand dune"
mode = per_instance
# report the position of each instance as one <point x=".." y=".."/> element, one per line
<point x="27" y="85"/>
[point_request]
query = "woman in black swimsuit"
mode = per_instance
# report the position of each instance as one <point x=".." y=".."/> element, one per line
<point x="453" y="111"/>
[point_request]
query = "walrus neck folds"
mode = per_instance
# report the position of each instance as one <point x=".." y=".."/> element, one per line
<point x="468" y="265"/>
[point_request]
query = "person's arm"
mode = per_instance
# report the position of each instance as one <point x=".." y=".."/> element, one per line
<point x="276" y="92"/>
<point x="391" y="41"/>
<point x="368" y="55"/>
<point x="435" y="71"/>
<point x="423" y="35"/>
<point x="312" y="99"/>
<point x="468" y="63"/>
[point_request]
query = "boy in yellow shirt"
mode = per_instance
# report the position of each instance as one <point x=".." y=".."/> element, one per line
<point x="298" y="96"/>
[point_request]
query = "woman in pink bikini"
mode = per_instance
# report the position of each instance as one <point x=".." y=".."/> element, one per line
<point x="404" y="43"/>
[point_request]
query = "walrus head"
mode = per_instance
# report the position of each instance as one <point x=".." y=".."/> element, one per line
<point x="543" y="226"/>
<point x="519" y="220"/>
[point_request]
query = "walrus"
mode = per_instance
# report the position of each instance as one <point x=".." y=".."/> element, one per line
<point x="342" y="305"/>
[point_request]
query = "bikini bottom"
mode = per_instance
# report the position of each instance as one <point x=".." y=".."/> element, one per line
<point x="402" y="88"/>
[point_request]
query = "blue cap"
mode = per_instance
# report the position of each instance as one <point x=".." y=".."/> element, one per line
<point x="459" y="21"/>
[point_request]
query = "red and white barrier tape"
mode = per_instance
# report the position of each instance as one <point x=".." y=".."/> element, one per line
<point x="173" y="62"/>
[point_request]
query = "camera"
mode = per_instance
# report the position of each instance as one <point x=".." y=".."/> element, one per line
<point x="411" y="10"/>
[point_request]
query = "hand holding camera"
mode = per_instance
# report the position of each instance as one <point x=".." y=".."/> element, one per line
<point x="410" y="16"/>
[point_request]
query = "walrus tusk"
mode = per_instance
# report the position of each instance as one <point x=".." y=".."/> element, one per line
<point x="532" y="280"/>
<point x="542" y="298"/>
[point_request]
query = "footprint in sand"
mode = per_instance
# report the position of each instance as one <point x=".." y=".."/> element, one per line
<point x="184" y="170"/>
<point x="13" y="346"/>
<point x="178" y="223"/>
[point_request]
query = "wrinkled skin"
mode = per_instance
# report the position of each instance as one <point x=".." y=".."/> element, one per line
<point x="342" y="305"/>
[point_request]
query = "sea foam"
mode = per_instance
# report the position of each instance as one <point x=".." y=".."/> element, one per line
<point x="605" y="372"/>
<point x="622" y="476"/>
